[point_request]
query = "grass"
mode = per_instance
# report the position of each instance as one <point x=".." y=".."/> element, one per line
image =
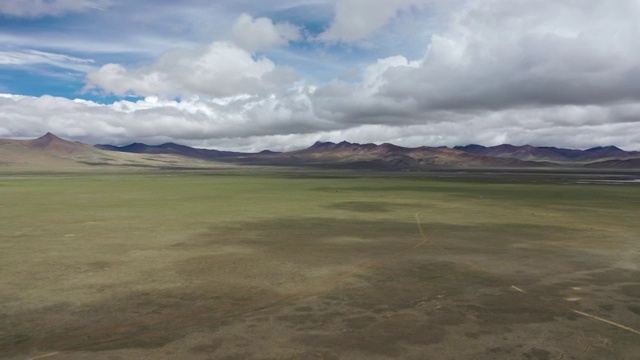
<point x="203" y="262"/>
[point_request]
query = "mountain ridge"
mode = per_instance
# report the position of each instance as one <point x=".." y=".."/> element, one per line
<point x="169" y="148"/>
<point x="344" y="154"/>
<point x="550" y="153"/>
<point x="391" y="156"/>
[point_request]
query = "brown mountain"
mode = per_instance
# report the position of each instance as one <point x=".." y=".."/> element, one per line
<point x="553" y="154"/>
<point x="50" y="152"/>
<point x="46" y="151"/>
<point x="48" y="143"/>
<point x="54" y="145"/>
<point x="385" y="156"/>
<point x="615" y="164"/>
<point x="393" y="157"/>
<point x="526" y="152"/>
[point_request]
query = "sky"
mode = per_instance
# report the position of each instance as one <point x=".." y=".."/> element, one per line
<point x="282" y="74"/>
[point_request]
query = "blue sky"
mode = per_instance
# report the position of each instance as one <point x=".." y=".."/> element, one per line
<point x="248" y="75"/>
<point x="132" y="34"/>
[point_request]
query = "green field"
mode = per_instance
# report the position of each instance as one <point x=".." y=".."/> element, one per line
<point x="233" y="264"/>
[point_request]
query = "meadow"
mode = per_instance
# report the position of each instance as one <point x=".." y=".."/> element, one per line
<point x="284" y="264"/>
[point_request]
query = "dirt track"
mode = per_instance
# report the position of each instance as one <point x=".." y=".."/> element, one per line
<point x="283" y="308"/>
<point x="355" y="276"/>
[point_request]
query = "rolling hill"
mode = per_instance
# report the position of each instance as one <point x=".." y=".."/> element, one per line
<point x="552" y="154"/>
<point x="383" y="157"/>
<point x="46" y="151"/>
<point x="50" y="151"/>
<point x="169" y="148"/>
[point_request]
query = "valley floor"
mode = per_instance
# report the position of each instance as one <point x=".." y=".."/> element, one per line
<point x="274" y="264"/>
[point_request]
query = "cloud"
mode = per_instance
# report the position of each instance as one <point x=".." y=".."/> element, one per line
<point x="261" y="33"/>
<point x="39" y="8"/>
<point x="503" y="55"/>
<point x="358" y="19"/>
<point x="290" y="122"/>
<point x="554" y="53"/>
<point x="560" y="73"/>
<point x="155" y="120"/>
<point x="33" y="57"/>
<point x="219" y="69"/>
<point x="362" y="103"/>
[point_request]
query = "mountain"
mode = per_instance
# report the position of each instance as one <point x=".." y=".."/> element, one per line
<point x="50" y="151"/>
<point x="392" y="157"/>
<point x="385" y="156"/>
<point x="169" y="148"/>
<point x="616" y="164"/>
<point x="552" y="154"/>
<point x="526" y="152"/>
<point x="46" y="151"/>
<point x="55" y="145"/>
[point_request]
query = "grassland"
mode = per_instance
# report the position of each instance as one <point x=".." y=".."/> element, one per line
<point x="329" y="265"/>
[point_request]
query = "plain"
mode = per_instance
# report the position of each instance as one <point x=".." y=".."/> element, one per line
<point x="270" y="264"/>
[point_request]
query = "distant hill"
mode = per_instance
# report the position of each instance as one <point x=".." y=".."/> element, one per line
<point x="169" y="148"/>
<point x="385" y="156"/>
<point x="553" y="154"/>
<point x="46" y="151"/>
<point x="50" y="151"/>
<point x="615" y="164"/>
<point x="55" y="145"/>
<point x="392" y="157"/>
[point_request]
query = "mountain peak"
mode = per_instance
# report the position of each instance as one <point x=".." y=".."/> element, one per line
<point x="604" y="148"/>
<point x="322" y="144"/>
<point x="472" y="148"/>
<point x="49" y="136"/>
<point x="47" y="140"/>
<point x="54" y="145"/>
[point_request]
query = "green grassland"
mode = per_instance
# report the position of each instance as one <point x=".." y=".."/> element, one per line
<point x="240" y="264"/>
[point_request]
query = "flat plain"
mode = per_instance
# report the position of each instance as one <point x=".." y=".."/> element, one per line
<point x="258" y="264"/>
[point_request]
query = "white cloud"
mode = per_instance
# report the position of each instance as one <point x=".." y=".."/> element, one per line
<point x="219" y="69"/>
<point x="155" y="120"/>
<point x="358" y="19"/>
<point x="33" y="57"/>
<point x="38" y="8"/>
<point x="505" y="53"/>
<point x="261" y="33"/>
<point x="560" y="73"/>
<point x="291" y="122"/>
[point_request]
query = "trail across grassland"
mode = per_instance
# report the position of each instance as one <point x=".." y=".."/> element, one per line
<point x="226" y="311"/>
<point x="211" y="315"/>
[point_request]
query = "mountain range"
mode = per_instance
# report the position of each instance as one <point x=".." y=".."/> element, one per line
<point x="51" y="151"/>
<point x="389" y="156"/>
<point x="553" y="154"/>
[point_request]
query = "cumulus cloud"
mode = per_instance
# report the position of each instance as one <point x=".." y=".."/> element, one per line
<point x="252" y="123"/>
<point x="219" y="69"/>
<point x="569" y="52"/>
<point x="39" y="8"/>
<point x="357" y="19"/>
<point x="501" y="55"/>
<point x="261" y="33"/>
<point x="560" y="73"/>
<point x="155" y="120"/>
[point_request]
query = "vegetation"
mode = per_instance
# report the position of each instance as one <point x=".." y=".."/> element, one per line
<point x="330" y="264"/>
